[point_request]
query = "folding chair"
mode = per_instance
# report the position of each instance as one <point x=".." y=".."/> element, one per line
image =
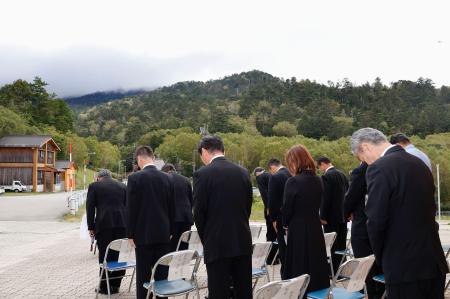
<point x="380" y="279"/>
<point x="275" y="256"/>
<point x="329" y="241"/>
<point x="182" y="278"/>
<point x="348" y="252"/>
<point x="125" y="261"/>
<point x="447" y="256"/>
<point x="192" y="238"/>
<point x="259" y="261"/>
<point x="286" y="289"/>
<point x="255" y="230"/>
<point x="356" y="271"/>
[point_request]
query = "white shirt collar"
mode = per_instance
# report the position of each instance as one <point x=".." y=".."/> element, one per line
<point x="389" y="147"/>
<point x="329" y="168"/>
<point x="149" y="164"/>
<point x="216" y="156"/>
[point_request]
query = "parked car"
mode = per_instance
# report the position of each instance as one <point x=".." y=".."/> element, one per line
<point x="16" y="186"/>
<point x="2" y="190"/>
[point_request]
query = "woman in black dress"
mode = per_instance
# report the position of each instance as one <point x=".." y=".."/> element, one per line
<point x="305" y="253"/>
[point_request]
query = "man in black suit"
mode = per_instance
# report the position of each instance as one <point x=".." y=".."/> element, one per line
<point x="222" y="205"/>
<point x="150" y="210"/>
<point x="335" y="185"/>
<point x="262" y="179"/>
<point x="354" y="205"/>
<point x="401" y="218"/>
<point x="280" y="175"/>
<point x="105" y="210"/>
<point x="182" y="192"/>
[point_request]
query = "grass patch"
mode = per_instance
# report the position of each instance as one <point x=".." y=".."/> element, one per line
<point x="24" y="193"/>
<point x="78" y="215"/>
<point x="257" y="210"/>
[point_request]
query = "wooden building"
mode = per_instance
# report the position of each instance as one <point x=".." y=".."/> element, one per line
<point x="30" y="159"/>
<point x="62" y="182"/>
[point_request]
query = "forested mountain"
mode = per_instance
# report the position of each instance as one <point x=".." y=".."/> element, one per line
<point x="259" y="103"/>
<point x="100" y="97"/>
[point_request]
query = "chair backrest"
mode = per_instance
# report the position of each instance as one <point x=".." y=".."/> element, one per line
<point x="182" y="264"/>
<point x="126" y="251"/>
<point x="260" y="253"/>
<point x="193" y="239"/>
<point x="255" y="230"/>
<point x="286" y="289"/>
<point x="329" y="241"/>
<point x="356" y="270"/>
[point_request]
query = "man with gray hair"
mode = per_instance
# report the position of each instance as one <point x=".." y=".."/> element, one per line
<point x="105" y="210"/>
<point x="401" y="218"/>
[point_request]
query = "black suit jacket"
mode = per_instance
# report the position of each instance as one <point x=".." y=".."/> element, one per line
<point x="355" y="201"/>
<point x="277" y="183"/>
<point x="263" y="185"/>
<point x="222" y="205"/>
<point x="401" y="218"/>
<point x="105" y="205"/>
<point x="150" y="207"/>
<point x="335" y="185"/>
<point x="182" y="191"/>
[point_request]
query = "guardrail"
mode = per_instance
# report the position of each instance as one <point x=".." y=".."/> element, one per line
<point x="75" y="200"/>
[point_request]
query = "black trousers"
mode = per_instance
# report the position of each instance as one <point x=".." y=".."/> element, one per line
<point x="146" y="258"/>
<point x="103" y="239"/>
<point x="423" y="289"/>
<point x="281" y="246"/>
<point x="239" y="269"/>
<point x="271" y="235"/>
<point x="339" y="244"/>
<point x="179" y="228"/>
<point x="361" y="248"/>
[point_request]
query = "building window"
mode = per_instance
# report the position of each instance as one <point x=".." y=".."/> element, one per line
<point x="40" y="177"/>
<point x="41" y="156"/>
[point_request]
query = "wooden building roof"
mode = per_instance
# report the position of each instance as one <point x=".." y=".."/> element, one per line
<point x="27" y="141"/>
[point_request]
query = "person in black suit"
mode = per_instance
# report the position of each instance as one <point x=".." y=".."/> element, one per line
<point x="277" y="181"/>
<point x="262" y="179"/>
<point x="354" y="205"/>
<point x="222" y="205"/>
<point x="105" y="211"/>
<point x="401" y="218"/>
<point x="150" y="217"/>
<point x="332" y="210"/>
<point x="305" y="252"/>
<point x="182" y="191"/>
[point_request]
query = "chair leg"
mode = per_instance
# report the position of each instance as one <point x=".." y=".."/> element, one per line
<point x="267" y="275"/>
<point x="384" y="295"/>
<point x="331" y="267"/>
<point x="447" y="284"/>
<point x="254" y="285"/>
<point x="107" y="283"/>
<point x="131" y="282"/>
<point x="99" y="282"/>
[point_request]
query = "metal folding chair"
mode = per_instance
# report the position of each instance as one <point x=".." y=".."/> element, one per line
<point x="182" y="278"/>
<point x="255" y="230"/>
<point x="192" y="238"/>
<point x="356" y="271"/>
<point x="286" y="289"/>
<point x="348" y="252"/>
<point x="329" y="241"/>
<point x="259" y="261"/>
<point x="380" y="279"/>
<point x="447" y="258"/>
<point x="125" y="261"/>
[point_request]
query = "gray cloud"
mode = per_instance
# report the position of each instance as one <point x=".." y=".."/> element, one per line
<point x="82" y="70"/>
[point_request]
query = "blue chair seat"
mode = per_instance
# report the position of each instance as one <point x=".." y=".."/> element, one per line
<point x="256" y="272"/>
<point x="112" y="266"/>
<point x="171" y="287"/>
<point x="343" y="252"/>
<point x="379" y="278"/>
<point x="338" y="293"/>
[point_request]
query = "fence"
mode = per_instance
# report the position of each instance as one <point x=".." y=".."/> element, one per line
<point x="75" y="200"/>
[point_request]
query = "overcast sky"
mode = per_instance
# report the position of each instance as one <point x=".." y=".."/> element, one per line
<point x="86" y="46"/>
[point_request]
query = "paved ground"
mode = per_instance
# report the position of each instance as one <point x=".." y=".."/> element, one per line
<point x="47" y="259"/>
<point x="43" y="207"/>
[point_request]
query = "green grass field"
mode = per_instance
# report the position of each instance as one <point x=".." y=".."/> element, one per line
<point x="257" y="210"/>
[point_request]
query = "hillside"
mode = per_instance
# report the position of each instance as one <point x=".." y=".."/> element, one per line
<point x="259" y="103"/>
<point x="100" y="97"/>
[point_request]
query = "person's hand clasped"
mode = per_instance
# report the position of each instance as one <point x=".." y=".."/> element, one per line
<point x="91" y="233"/>
<point x="324" y="222"/>
<point x="131" y="241"/>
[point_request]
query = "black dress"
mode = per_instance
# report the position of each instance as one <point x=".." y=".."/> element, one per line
<point x="306" y="253"/>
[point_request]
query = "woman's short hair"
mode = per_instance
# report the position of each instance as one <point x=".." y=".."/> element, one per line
<point x="298" y="159"/>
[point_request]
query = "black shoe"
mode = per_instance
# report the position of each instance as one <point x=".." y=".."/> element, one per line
<point x="114" y="290"/>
